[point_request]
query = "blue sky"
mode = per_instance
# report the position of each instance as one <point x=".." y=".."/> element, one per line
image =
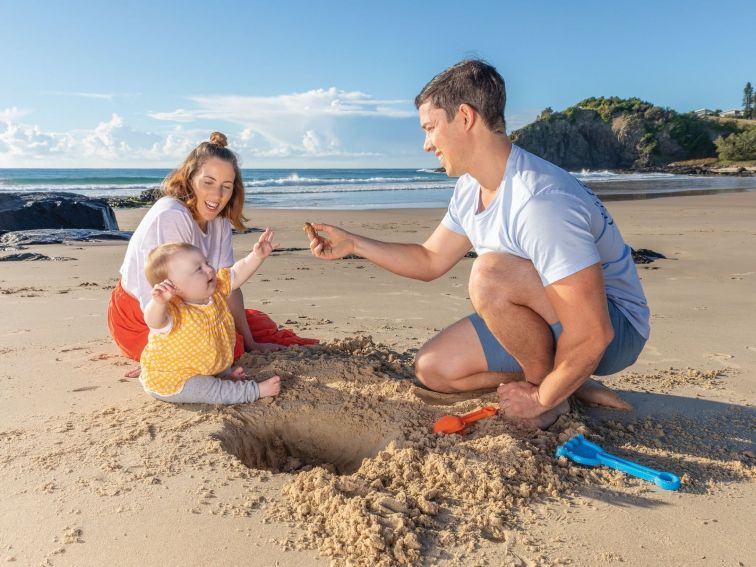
<point x="331" y="84"/>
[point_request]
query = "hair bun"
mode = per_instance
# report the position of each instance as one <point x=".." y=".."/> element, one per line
<point x="219" y="138"/>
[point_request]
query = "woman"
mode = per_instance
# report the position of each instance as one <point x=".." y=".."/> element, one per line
<point x="202" y="199"/>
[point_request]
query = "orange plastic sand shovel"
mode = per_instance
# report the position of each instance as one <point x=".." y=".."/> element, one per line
<point x="456" y="423"/>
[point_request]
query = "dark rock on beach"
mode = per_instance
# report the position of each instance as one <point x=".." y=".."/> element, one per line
<point x="16" y="239"/>
<point x="27" y="211"/>
<point x="32" y="257"/>
<point x="145" y="199"/>
<point x="646" y="256"/>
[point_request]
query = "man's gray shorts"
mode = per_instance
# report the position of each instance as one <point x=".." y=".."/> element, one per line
<point x="623" y="351"/>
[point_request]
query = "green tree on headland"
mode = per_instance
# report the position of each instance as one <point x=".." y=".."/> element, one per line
<point x="737" y="147"/>
<point x="748" y="102"/>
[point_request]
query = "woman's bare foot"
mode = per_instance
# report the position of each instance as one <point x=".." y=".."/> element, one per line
<point x="262" y="348"/>
<point x="596" y="394"/>
<point x="134" y="372"/>
<point x="234" y="374"/>
<point x="270" y="387"/>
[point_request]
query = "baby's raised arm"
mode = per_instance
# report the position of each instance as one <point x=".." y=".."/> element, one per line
<point x="156" y="312"/>
<point x="244" y="268"/>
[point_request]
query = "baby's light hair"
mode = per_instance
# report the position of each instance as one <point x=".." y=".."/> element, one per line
<point x="156" y="271"/>
<point x="156" y="266"/>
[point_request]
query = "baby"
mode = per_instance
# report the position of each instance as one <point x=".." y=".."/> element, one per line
<point x="190" y="347"/>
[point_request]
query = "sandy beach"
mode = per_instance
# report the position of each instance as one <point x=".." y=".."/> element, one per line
<point x="342" y="468"/>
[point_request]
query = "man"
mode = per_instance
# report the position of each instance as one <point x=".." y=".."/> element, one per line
<point x="555" y="291"/>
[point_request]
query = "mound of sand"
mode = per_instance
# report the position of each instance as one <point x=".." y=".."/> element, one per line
<point x="365" y="481"/>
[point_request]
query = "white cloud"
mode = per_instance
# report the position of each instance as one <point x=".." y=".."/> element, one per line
<point x="311" y="142"/>
<point x="98" y="96"/>
<point x="293" y="124"/>
<point x="109" y="143"/>
<point x="12" y="114"/>
<point x="319" y="128"/>
<point x="248" y="110"/>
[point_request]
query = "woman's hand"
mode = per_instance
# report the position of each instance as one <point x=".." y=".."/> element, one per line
<point x="264" y="245"/>
<point x="163" y="292"/>
<point x="338" y="244"/>
<point x="262" y="348"/>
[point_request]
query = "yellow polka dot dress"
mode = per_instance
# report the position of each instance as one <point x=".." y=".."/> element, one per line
<point x="201" y="342"/>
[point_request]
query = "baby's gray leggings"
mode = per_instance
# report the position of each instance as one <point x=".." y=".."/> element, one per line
<point x="211" y="390"/>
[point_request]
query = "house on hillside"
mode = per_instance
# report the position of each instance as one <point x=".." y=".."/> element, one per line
<point x="734" y="113"/>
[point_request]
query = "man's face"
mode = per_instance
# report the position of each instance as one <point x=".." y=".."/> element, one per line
<point x="443" y="138"/>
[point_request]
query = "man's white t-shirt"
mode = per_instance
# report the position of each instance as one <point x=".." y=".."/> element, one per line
<point x="170" y="221"/>
<point x="542" y="213"/>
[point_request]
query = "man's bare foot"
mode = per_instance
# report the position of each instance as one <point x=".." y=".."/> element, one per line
<point x="596" y="394"/>
<point x="134" y="372"/>
<point x="547" y="419"/>
<point x="270" y="387"/>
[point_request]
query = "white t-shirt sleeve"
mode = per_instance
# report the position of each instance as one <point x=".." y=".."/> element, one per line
<point x="553" y="229"/>
<point x="451" y="218"/>
<point x="226" y="246"/>
<point x="163" y="330"/>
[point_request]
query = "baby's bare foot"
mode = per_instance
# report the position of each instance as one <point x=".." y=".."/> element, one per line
<point x="270" y="387"/>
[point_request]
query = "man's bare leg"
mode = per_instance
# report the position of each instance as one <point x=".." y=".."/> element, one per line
<point x="453" y="361"/>
<point x="508" y="294"/>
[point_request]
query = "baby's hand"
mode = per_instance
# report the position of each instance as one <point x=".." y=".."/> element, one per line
<point x="264" y="245"/>
<point x="163" y="292"/>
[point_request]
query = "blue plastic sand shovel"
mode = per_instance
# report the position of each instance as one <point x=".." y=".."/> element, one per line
<point x="582" y="451"/>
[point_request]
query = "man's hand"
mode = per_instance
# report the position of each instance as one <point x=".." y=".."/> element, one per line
<point x="337" y="244"/>
<point x="163" y="292"/>
<point x="520" y="400"/>
<point x="264" y="245"/>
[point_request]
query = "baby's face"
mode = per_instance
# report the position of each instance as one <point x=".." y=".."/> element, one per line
<point x="192" y="275"/>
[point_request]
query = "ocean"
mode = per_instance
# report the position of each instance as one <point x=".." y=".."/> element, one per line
<point x="352" y="188"/>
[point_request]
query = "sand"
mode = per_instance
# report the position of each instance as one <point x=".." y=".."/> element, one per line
<point x="342" y="468"/>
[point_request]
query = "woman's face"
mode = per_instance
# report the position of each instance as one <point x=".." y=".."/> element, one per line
<point x="213" y="185"/>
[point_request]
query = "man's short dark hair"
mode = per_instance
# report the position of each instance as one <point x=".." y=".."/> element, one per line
<point x="473" y="82"/>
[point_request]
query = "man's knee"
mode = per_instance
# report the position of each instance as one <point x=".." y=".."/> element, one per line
<point x="433" y="371"/>
<point x="491" y="280"/>
<point x="498" y="280"/>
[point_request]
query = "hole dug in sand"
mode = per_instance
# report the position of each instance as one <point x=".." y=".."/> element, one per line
<point x="294" y="441"/>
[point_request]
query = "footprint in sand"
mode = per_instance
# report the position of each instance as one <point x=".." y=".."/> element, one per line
<point x="723" y="357"/>
<point x="751" y="348"/>
<point x="85" y="389"/>
<point x="740" y="276"/>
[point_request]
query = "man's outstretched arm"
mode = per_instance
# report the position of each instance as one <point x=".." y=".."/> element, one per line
<point x="427" y="261"/>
